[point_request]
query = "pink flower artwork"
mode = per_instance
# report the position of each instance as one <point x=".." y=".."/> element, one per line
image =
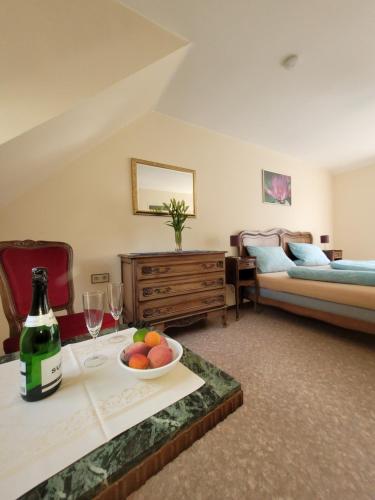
<point x="276" y="188"/>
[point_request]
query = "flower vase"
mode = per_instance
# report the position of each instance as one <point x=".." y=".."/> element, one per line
<point x="178" y="240"/>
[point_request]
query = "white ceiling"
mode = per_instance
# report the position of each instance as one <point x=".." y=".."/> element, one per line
<point x="323" y="110"/>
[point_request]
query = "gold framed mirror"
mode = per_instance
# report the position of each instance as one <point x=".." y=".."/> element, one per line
<point x="156" y="183"/>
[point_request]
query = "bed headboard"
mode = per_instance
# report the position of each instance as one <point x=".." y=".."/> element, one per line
<point x="296" y="237"/>
<point x="272" y="238"/>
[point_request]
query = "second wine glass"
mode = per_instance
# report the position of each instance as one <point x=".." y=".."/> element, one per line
<point x="93" y="309"/>
<point x="115" y="303"/>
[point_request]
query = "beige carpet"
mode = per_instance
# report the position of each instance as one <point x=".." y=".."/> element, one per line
<point x="307" y="427"/>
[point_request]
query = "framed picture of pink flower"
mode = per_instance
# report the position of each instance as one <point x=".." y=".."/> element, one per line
<point x="277" y="188"/>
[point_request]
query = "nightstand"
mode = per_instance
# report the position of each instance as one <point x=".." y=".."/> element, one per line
<point x="333" y="254"/>
<point x="241" y="272"/>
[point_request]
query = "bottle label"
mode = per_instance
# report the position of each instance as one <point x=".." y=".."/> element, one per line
<point x="51" y="371"/>
<point x="41" y="320"/>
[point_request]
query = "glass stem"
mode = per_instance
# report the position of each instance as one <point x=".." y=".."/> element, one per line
<point x="116" y="325"/>
<point x="94" y="346"/>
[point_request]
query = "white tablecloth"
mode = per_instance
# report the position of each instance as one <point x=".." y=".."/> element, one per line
<point x="91" y="407"/>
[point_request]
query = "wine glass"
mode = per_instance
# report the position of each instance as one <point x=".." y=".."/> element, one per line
<point x="93" y="309"/>
<point x="115" y="302"/>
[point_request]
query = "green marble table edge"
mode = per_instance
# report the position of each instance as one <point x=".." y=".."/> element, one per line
<point x="104" y="465"/>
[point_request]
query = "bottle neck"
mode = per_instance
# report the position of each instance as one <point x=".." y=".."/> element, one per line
<point x="39" y="304"/>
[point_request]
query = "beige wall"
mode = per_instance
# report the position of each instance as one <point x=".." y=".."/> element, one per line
<point x="353" y="212"/>
<point x="89" y="203"/>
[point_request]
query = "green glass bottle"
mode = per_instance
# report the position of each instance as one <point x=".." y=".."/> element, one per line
<point x="40" y="347"/>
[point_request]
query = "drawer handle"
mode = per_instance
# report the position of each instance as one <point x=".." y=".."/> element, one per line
<point x="155" y="270"/>
<point x="213" y="282"/>
<point x="149" y="291"/>
<point x="213" y="300"/>
<point x="147" y="313"/>
<point x="212" y="265"/>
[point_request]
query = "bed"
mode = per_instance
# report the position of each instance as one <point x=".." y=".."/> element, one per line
<point x="344" y="305"/>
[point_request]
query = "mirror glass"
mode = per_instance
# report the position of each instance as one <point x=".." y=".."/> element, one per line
<point x="156" y="183"/>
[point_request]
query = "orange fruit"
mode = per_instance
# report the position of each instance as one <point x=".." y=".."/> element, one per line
<point x="138" y="361"/>
<point x="152" y="339"/>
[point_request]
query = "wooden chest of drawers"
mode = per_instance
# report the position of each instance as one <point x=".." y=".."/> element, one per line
<point x="171" y="288"/>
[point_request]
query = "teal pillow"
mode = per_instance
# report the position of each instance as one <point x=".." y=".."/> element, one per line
<point x="270" y="259"/>
<point x="308" y="254"/>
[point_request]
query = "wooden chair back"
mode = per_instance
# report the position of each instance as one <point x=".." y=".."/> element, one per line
<point x="17" y="258"/>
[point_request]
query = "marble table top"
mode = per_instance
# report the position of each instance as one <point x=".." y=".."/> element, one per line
<point x="84" y="478"/>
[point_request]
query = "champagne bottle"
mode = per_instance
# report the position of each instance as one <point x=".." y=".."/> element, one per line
<point x="40" y="348"/>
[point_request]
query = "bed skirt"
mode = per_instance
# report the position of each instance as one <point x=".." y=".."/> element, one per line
<point x="349" y="317"/>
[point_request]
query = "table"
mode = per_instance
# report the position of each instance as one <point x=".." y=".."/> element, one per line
<point x="333" y="254"/>
<point x="123" y="464"/>
<point x="241" y="272"/>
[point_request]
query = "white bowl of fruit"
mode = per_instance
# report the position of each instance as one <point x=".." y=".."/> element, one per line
<point x="151" y="355"/>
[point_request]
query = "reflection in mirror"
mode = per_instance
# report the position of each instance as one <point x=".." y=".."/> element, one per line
<point x="156" y="183"/>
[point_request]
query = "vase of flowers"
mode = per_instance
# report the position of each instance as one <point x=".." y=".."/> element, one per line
<point x="177" y="210"/>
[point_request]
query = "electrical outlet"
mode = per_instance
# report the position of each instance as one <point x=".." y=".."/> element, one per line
<point x="99" y="278"/>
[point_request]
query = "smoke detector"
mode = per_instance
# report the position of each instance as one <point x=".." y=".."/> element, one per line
<point x="289" y="61"/>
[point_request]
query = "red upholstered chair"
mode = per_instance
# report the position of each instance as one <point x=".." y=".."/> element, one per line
<point x="17" y="258"/>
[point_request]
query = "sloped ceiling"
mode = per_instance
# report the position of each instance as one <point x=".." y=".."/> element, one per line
<point x="323" y="110"/>
<point x="30" y="158"/>
<point x="73" y="72"/>
<point x="53" y="53"/>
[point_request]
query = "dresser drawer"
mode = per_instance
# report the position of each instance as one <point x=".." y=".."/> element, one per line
<point x="165" y="268"/>
<point x="151" y="290"/>
<point x="333" y="254"/>
<point x="174" y="306"/>
<point x="246" y="263"/>
<point x="337" y="254"/>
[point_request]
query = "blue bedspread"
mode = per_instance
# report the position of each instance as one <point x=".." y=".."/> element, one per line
<point x="354" y="265"/>
<point x="334" y="275"/>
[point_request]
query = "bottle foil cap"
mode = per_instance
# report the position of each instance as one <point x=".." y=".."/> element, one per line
<point x="39" y="274"/>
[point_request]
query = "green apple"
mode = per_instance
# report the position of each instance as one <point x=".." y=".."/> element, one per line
<point x="140" y="335"/>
